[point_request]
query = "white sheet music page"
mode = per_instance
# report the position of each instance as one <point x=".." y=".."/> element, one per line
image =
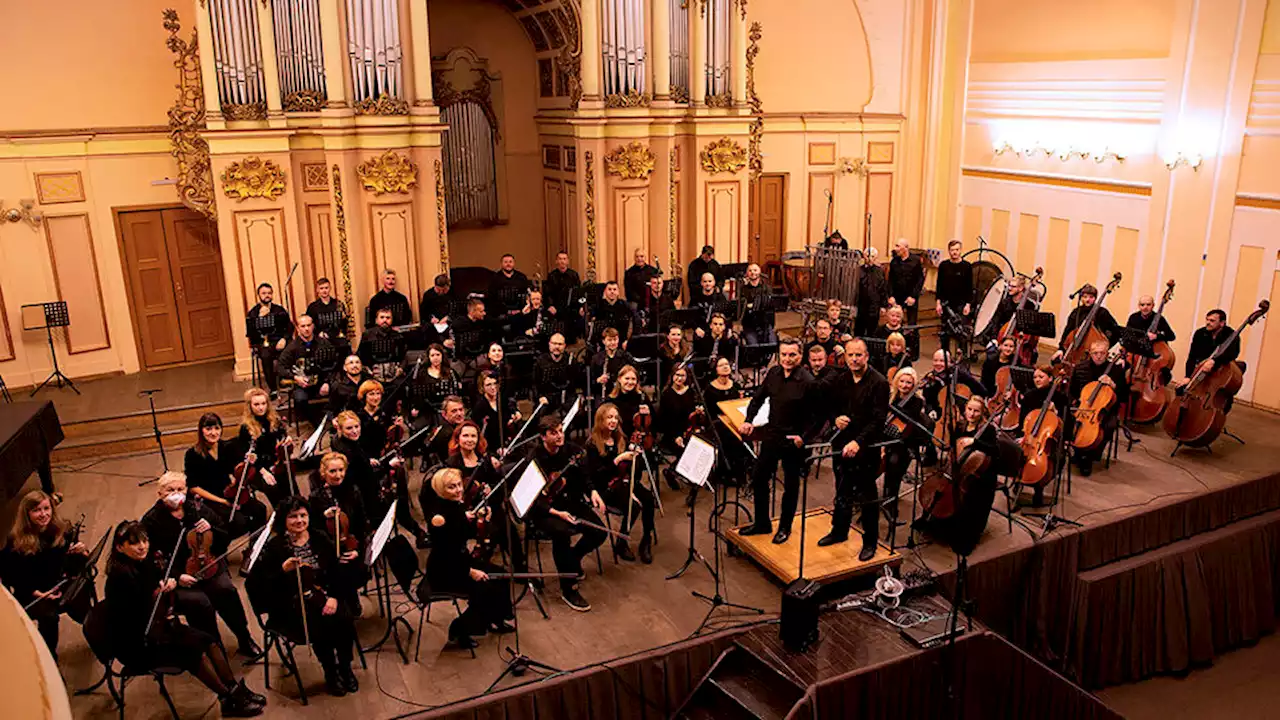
<point x="260" y="543"/>
<point x="527" y="488"/>
<point x="696" y="462"/>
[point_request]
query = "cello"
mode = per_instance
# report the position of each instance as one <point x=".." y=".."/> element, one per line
<point x="1198" y="414"/>
<point x="1040" y="438"/>
<point x="1147" y="380"/>
<point x="1078" y="340"/>
<point x="1095" y="399"/>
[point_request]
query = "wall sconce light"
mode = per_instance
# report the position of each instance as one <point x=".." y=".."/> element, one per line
<point x="855" y="166"/>
<point x="1108" y="153"/>
<point x="1003" y="147"/>
<point x="25" y="212"/>
<point x="1173" y="162"/>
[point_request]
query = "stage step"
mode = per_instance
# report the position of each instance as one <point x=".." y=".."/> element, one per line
<point x="741" y="685"/>
<point x="133" y="433"/>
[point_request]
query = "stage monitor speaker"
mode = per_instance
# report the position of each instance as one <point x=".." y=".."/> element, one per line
<point x="799" y="625"/>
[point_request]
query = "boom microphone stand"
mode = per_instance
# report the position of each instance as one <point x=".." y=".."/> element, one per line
<point x="155" y="427"/>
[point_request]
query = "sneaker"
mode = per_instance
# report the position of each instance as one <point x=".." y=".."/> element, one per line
<point x="574" y="599"/>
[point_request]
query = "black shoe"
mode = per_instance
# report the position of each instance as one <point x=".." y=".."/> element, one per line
<point x="783" y="535"/>
<point x="623" y="551"/>
<point x="757" y="529"/>
<point x="251" y="696"/>
<point x="348" y="678"/>
<point x="235" y="705"/>
<point x="332" y="684"/>
<point x="574" y="599"/>
<point x="832" y="538"/>
<point x="646" y="550"/>
<point x="502" y="628"/>
<point x="248" y="649"/>
<point x="867" y="552"/>
<point x="1086" y="468"/>
<point x="423" y="542"/>
<point x="464" y="642"/>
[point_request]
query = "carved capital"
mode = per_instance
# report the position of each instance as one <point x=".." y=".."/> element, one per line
<point x="723" y="155"/>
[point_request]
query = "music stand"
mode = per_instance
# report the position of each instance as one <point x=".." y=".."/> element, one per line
<point x="1034" y="322"/>
<point x="671" y="287"/>
<point x="646" y="349"/>
<point x="332" y="323"/>
<point x="54" y="315"/>
<point x="1023" y="378"/>
<point x="557" y="378"/>
<point x="387" y="351"/>
<point x="730" y="309"/>
<point x="1136" y="342"/>
<point x="685" y="317"/>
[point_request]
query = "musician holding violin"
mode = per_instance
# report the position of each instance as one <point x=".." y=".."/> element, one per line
<point x="42" y="554"/>
<point x="897" y="456"/>
<point x="629" y="398"/>
<point x="209" y="465"/>
<point x="895" y="355"/>
<point x="468" y="454"/>
<point x="453" y="567"/>
<point x="1099" y="405"/>
<point x="612" y="468"/>
<point x="340" y="508"/>
<point x="299" y="580"/>
<point x="675" y="409"/>
<point x="143" y="631"/>
<point x="204" y="591"/>
<point x="495" y="410"/>
<point x="264" y="438"/>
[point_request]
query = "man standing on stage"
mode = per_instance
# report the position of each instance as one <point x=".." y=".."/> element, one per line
<point x="704" y="263"/>
<point x="955" y="282"/>
<point x="787" y="386"/>
<point x="863" y="393"/>
<point x="391" y="299"/>
<point x="635" y="281"/>
<point x="268" y="328"/>
<point x="906" y="280"/>
<point x="508" y="289"/>
<point x="873" y="295"/>
<point x="758" y="318"/>
<point x="562" y="283"/>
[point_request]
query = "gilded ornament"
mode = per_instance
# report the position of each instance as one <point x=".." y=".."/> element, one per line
<point x="571" y="65"/>
<point x="442" y="228"/>
<point x="481" y="93"/>
<point x="390" y="172"/>
<point x="633" y="161"/>
<point x="254" y="177"/>
<point x="629" y="99"/>
<point x="723" y="155"/>
<point x="755" y="133"/>
<point x="344" y="254"/>
<point x="304" y="101"/>
<point x="680" y="94"/>
<point x="722" y="100"/>
<point x="186" y="120"/>
<point x="245" y="111"/>
<point x="671" y="209"/>
<point x="589" y="210"/>
<point x="384" y="104"/>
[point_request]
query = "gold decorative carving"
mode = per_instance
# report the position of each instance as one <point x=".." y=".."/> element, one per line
<point x="390" y="172"/>
<point x="442" y="226"/>
<point x="755" y="132"/>
<point x="384" y="104"/>
<point x="186" y="120"/>
<point x="59" y="187"/>
<point x="314" y="177"/>
<point x="742" y="7"/>
<point x="304" y="101"/>
<point x="254" y="177"/>
<point x="245" y="111"/>
<point x="722" y="100"/>
<point x="589" y="210"/>
<point x="630" y="99"/>
<point x="633" y="161"/>
<point x="680" y="94"/>
<point x="571" y="63"/>
<point x="723" y="155"/>
<point x="702" y="7"/>
<point x="671" y="209"/>
<point x="340" y="221"/>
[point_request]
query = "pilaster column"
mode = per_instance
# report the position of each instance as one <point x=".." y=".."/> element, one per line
<point x="738" y="50"/>
<point x="420" y="47"/>
<point x="591" y="49"/>
<point x="208" y="76"/>
<point x="697" y="52"/>
<point x="660" y="32"/>
<point x="270" y="69"/>
<point x="335" y="53"/>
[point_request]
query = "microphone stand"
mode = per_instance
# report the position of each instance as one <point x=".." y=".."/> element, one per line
<point x="155" y="428"/>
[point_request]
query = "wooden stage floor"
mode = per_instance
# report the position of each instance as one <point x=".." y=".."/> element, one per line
<point x="824" y="565"/>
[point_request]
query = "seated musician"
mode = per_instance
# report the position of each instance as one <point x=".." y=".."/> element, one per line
<point x="824" y="335"/>
<point x="1103" y="321"/>
<point x="606" y="363"/>
<point x="330" y="493"/>
<point x="1096" y="367"/>
<point x="612" y="467"/>
<point x="893" y="324"/>
<point x="1204" y="341"/>
<point x="672" y="352"/>
<point x="895" y="355"/>
<point x="305" y="360"/>
<point x="555" y="375"/>
<point x="452" y="413"/>
<point x="376" y="420"/>
<point x="840" y="326"/>
<point x="708" y="295"/>
<point x="897" y="456"/>
<point x="363" y="471"/>
<point x="140" y="638"/>
<point x="437" y="301"/>
<point x="974" y="415"/>
<point x="329" y="315"/>
<point x="508" y="288"/>
<point x="452" y="568"/>
<point x="1008" y="306"/>
<point x="495" y="410"/>
<point x="493" y="362"/>
<point x="388" y="298"/>
<point x="38" y="560"/>
<point x="629" y="397"/>
<point x="567" y="498"/>
<point x="299" y="580"/>
<point x="1034" y="400"/>
<point x="264" y="434"/>
<point x="996" y="359"/>
<point x="382" y="349"/>
<point x="611" y="312"/>
<point x="436" y="381"/>
<point x="343" y="385"/>
<point x="268" y="329"/>
<point x="472" y="335"/>
<point x="1142" y="318"/>
<point x="174" y="514"/>
<point x="699" y="266"/>
<point x="532" y="320"/>
<point x="722" y="387"/>
<point x="733" y="457"/>
<point x="939" y="378"/>
<point x="717" y="340"/>
<point x="652" y="307"/>
<point x="819" y="364"/>
<point x="210" y="466"/>
<point x="675" y="406"/>
<point x="468" y="453"/>
<point x="758" y="317"/>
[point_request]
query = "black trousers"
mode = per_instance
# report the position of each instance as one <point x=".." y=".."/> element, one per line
<point x="302" y="397"/>
<point x="566" y="553"/>
<point x="910" y="312"/>
<point x="1109" y="424"/>
<point x="772" y="452"/>
<point x="867" y="321"/>
<point x="897" y="458"/>
<point x="643" y="506"/>
<point x="488" y="603"/>
<point x="47" y="624"/>
<point x="856" y="485"/>
<point x="207" y="600"/>
<point x="333" y="637"/>
<point x="267" y="356"/>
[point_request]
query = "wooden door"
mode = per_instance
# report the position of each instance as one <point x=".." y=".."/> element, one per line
<point x="176" y="290"/>
<point x="768" y="218"/>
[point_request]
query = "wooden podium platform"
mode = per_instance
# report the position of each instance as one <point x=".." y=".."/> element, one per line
<point x="821" y="564"/>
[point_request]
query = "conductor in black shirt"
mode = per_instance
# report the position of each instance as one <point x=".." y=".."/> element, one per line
<point x="906" y="280"/>
<point x="955" y="281"/>
<point x="787" y="386"/>
<point x="636" y="279"/>
<point x="389" y="298"/>
<point x="268" y="328"/>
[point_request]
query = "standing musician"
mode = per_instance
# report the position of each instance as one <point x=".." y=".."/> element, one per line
<point x="1103" y="321"/>
<point x="556" y="511"/>
<point x="758" y="317"/>
<point x="611" y="312"/>
<point x="699" y="266"/>
<point x="906" y="280"/>
<point x="554" y="374"/>
<point x="1141" y="320"/>
<point x="716" y="341"/>
<point x="955" y="281"/>
<point x="343" y="385"/>
<point x="306" y="359"/>
<point x="864" y="394"/>
<point x="143" y="632"/>
<point x="209" y="465"/>
<point x="198" y="595"/>
<point x="299" y="581"/>
<point x="1204" y="341"/>
<point x="507" y="288"/>
<point x="468" y="453"/>
<point x="893" y="324"/>
<point x="331" y="498"/>
<point x="998" y="358"/>
<point x="606" y="363"/>
<point x="451" y="567"/>
<point x="1096" y="367"/>
<point x="897" y="456"/>
<point x="635" y="280"/>
<point x="382" y="348"/>
<point x="437" y="302"/>
<point x="262" y="436"/>
<point x="43" y="552"/>
<point x="629" y="397"/>
<point x="267" y="341"/>
<point x="611" y="465"/>
<point x="653" y="306"/>
<point x="388" y="298"/>
<point x="533" y="319"/>
<point x="563" y="282"/>
<point x="330" y="315"/>
<point x="672" y="352"/>
<point x="495" y="411"/>
<point x="873" y="295"/>
<point x="788" y="387"/>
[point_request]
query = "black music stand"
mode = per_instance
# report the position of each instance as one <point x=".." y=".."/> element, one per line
<point x="685" y="317"/>
<point x="646" y="349"/>
<point x="671" y="287"/>
<point x="557" y="378"/>
<point x="387" y="351"/>
<point x="264" y="326"/>
<point x="1034" y="322"/>
<point x="1135" y="342"/>
<point x="512" y="299"/>
<point x="877" y="348"/>
<point x="332" y="324"/>
<point x="55" y="315"/>
<point x="1023" y="378"/>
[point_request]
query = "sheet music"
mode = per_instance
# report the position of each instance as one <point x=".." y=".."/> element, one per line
<point x="696" y="462"/>
<point x="762" y="416"/>
<point x="260" y="543"/>
<point x="383" y="534"/>
<point x="440" y="327"/>
<point x="568" y="419"/>
<point x="527" y="489"/>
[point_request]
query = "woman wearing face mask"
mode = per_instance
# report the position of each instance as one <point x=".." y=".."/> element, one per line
<point x="37" y="560"/>
<point x="210" y="469"/>
<point x="174" y="514"/>
<point x="140" y="639"/>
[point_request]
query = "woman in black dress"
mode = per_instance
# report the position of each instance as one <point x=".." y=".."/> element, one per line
<point x="297" y="574"/>
<point x="677" y="403"/>
<point x="480" y="473"/>
<point x="629" y="398"/>
<point x="897" y="457"/>
<point x="435" y="382"/>
<point x="144" y="633"/>
<point x="611" y="466"/>
<point x="40" y="556"/>
<point x="451" y="567"/>
<point x="263" y="433"/>
<point x="210" y="469"/>
<point x="673" y="351"/>
<point x="495" y="411"/>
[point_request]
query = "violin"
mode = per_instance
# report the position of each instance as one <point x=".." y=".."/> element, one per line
<point x="557" y="481"/>
<point x="395" y="474"/>
<point x="200" y="560"/>
<point x="642" y="431"/>
<point x="697" y="422"/>
<point x="472" y="495"/>
<point x="1040" y="434"/>
<point x="247" y="474"/>
<point x="1147" y="378"/>
<point x="1079" y="340"/>
<point x="1198" y="414"/>
<point x="1095" y="399"/>
<point x="343" y="539"/>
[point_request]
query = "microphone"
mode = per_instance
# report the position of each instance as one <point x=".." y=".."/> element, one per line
<point x="149" y="392"/>
<point x="1073" y="295"/>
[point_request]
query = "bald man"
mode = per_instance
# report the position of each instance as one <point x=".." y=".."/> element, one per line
<point x="1097" y="367"/>
<point x="1143" y="318"/>
<point x="906" y="280"/>
<point x="758" y="318"/>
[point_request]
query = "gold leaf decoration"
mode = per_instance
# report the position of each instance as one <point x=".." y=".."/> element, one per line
<point x="186" y="120"/>
<point x="590" y="212"/>
<point x="304" y="101"/>
<point x="723" y="100"/>
<point x="245" y="111"/>
<point x="633" y="161"/>
<point x="390" y="172"/>
<point x="344" y="252"/>
<point x="672" y="201"/>
<point x="630" y="99"/>
<point x="442" y="228"/>
<point x="384" y="104"/>
<point x="723" y="155"/>
<point x="680" y="94"/>
<point x="755" y="158"/>
<point x="254" y="177"/>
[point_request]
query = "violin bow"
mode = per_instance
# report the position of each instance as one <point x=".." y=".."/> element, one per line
<point x="302" y="606"/>
<point x="235" y="502"/>
<point x="242" y="542"/>
<point x="167" y="573"/>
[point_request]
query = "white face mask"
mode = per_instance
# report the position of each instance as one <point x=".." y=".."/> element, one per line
<point x="175" y="499"/>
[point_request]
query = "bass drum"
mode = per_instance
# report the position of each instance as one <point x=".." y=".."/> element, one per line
<point x="985" y="326"/>
<point x="988" y="266"/>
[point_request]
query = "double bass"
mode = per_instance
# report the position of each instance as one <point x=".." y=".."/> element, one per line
<point x="1147" y="379"/>
<point x="1198" y="414"/>
<point x="1079" y="340"/>
<point x="1023" y="354"/>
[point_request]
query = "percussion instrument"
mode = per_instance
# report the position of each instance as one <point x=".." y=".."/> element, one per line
<point x="984" y="320"/>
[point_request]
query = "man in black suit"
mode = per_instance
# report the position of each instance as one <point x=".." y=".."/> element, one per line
<point x="391" y="299"/>
<point x="268" y="328"/>
<point x="906" y="280"/>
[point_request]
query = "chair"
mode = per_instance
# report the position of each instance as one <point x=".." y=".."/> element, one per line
<point x="425" y="598"/>
<point x="621" y="514"/>
<point x="272" y="638"/>
<point x="97" y="635"/>
<point x="533" y="536"/>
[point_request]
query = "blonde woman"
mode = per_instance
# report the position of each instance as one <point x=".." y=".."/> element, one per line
<point x="39" y="555"/>
<point x="262" y="433"/>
